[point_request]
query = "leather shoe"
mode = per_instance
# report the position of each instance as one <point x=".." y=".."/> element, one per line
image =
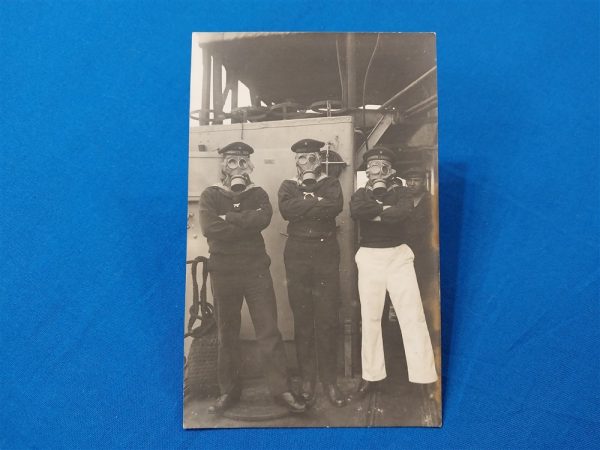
<point x="289" y="401"/>
<point x="334" y="394"/>
<point x="224" y="402"/>
<point x="363" y="389"/>
<point x="308" y="392"/>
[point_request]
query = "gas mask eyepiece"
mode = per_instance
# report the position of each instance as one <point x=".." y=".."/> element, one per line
<point x="378" y="172"/>
<point x="237" y="170"/>
<point x="308" y="160"/>
<point x="308" y="166"/>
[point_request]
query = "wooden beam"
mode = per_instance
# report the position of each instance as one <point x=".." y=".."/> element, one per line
<point x="234" y="92"/>
<point x="206" y="70"/>
<point x="376" y="133"/>
<point x="217" y="89"/>
<point x="428" y="103"/>
<point x="351" y="91"/>
<point x="407" y="88"/>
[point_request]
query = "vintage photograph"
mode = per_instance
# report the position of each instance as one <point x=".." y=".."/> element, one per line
<point x="312" y="282"/>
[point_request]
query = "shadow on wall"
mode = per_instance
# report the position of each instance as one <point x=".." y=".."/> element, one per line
<point x="452" y="193"/>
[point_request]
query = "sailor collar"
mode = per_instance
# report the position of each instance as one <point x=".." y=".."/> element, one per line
<point x="391" y="187"/>
<point x="228" y="191"/>
<point x="299" y="182"/>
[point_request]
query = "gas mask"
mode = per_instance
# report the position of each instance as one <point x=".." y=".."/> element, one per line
<point x="378" y="172"/>
<point x="309" y="167"/>
<point x="236" y="172"/>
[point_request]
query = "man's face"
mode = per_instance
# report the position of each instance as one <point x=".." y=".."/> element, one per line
<point x="237" y="164"/>
<point x="415" y="184"/>
<point x="236" y="171"/>
<point x="379" y="172"/>
<point x="379" y="169"/>
<point x="308" y="166"/>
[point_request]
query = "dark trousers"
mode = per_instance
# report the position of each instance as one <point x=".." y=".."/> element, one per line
<point x="312" y="272"/>
<point x="229" y="290"/>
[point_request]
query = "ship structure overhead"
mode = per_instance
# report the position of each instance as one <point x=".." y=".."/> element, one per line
<point x="386" y="81"/>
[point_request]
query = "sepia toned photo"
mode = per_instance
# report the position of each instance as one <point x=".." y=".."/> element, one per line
<point x="312" y="275"/>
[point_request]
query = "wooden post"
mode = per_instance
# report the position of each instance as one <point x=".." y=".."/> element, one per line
<point x="234" y="92"/>
<point x="217" y="89"/>
<point x="352" y="94"/>
<point x="206" y="69"/>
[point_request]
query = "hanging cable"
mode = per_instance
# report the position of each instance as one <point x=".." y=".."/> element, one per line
<point x="337" y="51"/>
<point x="365" y="87"/>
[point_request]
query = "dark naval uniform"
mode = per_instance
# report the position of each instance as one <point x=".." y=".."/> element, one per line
<point x="239" y="268"/>
<point x="390" y="231"/>
<point x="312" y="258"/>
<point x="418" y="232"/>
<point x="418" y="229"/>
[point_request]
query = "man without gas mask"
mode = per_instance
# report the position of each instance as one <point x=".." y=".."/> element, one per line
<point x="232" y="216"/>
<point x="418" y="230"/>
<point x="310" y="202"/>
<point x="386" y="211"/>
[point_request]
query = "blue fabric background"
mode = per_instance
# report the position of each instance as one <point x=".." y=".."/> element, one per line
<point x="93" y="179"/>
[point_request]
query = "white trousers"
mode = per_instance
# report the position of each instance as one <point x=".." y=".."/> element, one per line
<point x="392" y="269"/>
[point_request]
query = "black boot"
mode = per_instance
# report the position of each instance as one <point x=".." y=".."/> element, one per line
<point x="288" y="400"/>
<point x="363" y="389"/>
<point x="334" y="394"/>
<point x="225" y="401"/>
<point x="308" y="392"/>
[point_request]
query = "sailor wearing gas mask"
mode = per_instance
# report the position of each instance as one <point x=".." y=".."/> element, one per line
<point x="232" y="216"/>
<point x="310" y="202"/>
<point x="385" y="262"/>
